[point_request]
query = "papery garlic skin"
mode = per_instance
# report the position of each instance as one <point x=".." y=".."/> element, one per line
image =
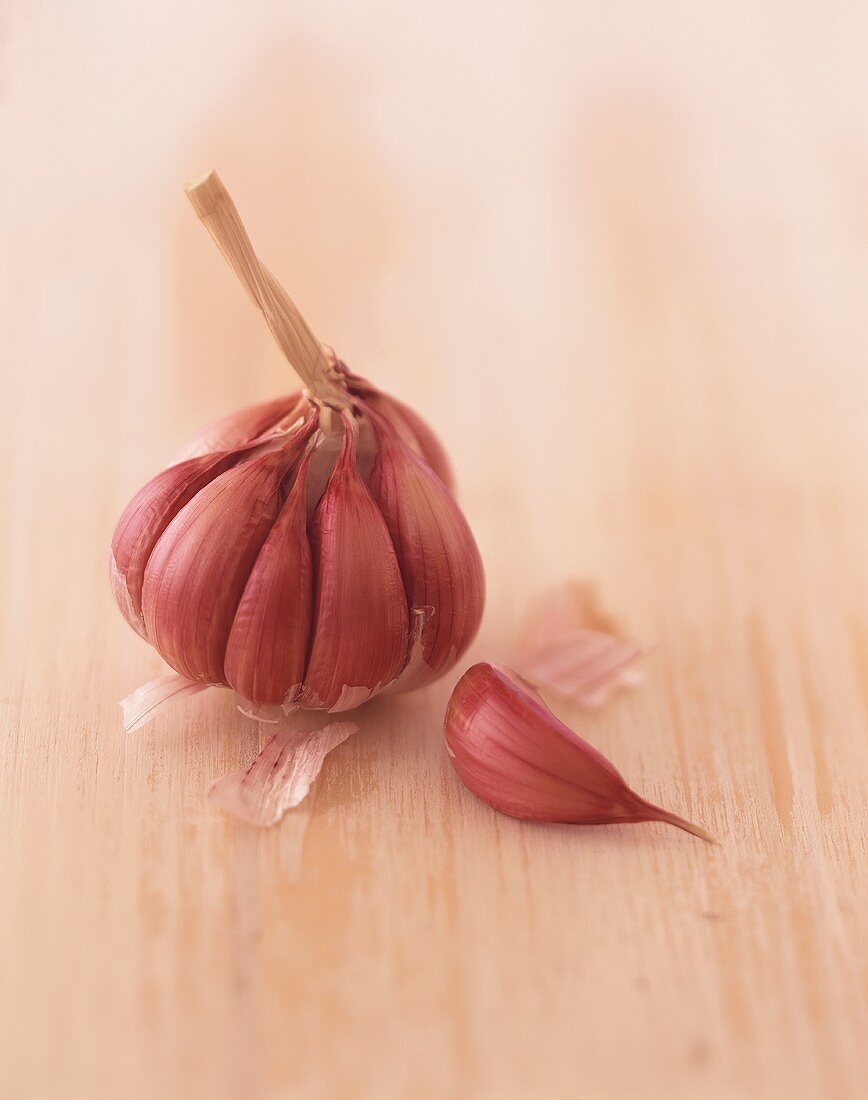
<point x="150" y="699"/>
<point x="281" y="775"/>
<point x="513" y="753"/>
<point x="568" y="645"/>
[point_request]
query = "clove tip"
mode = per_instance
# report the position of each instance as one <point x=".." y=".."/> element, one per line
<point x="688" y="826"/>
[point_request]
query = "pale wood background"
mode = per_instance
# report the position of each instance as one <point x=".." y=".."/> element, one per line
<point x="618" y="254"/>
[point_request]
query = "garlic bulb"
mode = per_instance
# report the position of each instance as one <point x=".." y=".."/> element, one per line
<point x="513" y="753"/>
<point x="306" y="551"/>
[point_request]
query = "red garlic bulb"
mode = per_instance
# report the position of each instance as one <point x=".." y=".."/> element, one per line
<point x="306" y="551"/>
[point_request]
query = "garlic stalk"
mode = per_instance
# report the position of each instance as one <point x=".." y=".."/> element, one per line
<point x="307" y="551"/>
<point x="219" y="215"/>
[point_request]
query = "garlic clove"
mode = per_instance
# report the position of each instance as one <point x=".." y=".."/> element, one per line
<point x="145" y="519"/>
<point x="439" y="560"/>
<point x="513" y="753"/>
<point x="420" y="436"/>
<point x="267" y="649"/>
<point x="280" y="776"/>
<point x="360" y="630"/>
<point x="239" y="427"/>
<point x="199" y="567"/>
<point x="407" y="422"/>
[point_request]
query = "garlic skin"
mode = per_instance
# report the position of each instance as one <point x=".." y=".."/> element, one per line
<point x="306" y="551"/>
<point x="281" y="775"/>
<point x="148" y="700"/>
<point x="570" y="646"/>
<point x="513" y="753"/>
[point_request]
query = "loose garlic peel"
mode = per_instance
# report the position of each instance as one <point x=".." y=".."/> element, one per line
<point x="307" y="551"/>
<point x="569" y="645"/>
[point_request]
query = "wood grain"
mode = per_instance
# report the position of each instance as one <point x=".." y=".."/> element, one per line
<point x="620" y="259"/>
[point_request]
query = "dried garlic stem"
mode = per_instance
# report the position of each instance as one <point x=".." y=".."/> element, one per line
<point x="217" y="212"/>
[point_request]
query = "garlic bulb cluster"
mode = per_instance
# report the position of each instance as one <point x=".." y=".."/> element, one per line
<point x="307" y="551"/>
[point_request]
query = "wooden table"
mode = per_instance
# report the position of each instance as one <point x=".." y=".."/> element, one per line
<point x="619" y="258"/>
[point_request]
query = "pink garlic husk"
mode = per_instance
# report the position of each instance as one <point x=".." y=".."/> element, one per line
<point x="281" y="775"/>
<point x="567" y="644"/>
<point x="148" y="701"/>
<point x="513" y="753"/>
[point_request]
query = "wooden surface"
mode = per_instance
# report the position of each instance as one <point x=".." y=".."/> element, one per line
<point x="619" y="257"/>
